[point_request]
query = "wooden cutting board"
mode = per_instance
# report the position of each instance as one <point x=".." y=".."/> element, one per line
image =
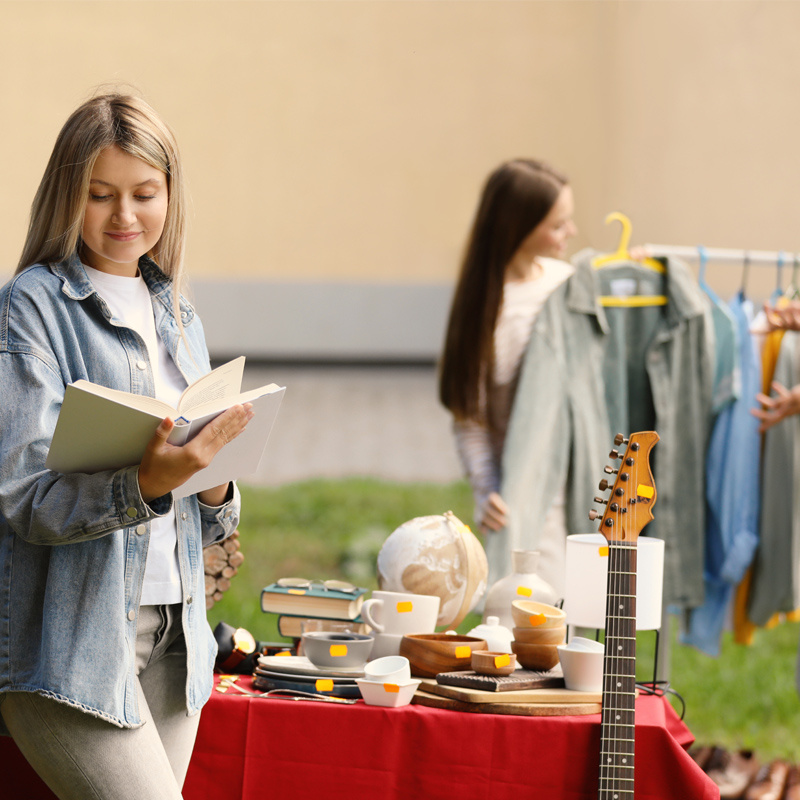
<point x="538" y="696"/>
<point x="497" y="706"/>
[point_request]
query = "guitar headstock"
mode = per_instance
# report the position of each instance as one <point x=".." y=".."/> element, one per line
<point x="630" y="506"/>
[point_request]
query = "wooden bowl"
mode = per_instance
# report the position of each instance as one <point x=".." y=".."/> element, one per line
<point x="492" y="662"/>
<point x="536" y="656"/>
<point x="541" y="635"/>
<point x="532" y="614"/>
<point x="432" y="653"/>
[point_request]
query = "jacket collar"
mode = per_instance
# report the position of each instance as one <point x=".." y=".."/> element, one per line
<point x="684" y="301"/>
<point x="77" y="285"/>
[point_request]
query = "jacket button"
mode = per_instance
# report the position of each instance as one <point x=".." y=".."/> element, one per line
<point x="141" y="364"/>
<point x="131" y="512"/>
<point x="140" y="529"/>
<point x="189" y="600"/>
<point x="184" y="515"/>
<point x="131" y="615"/>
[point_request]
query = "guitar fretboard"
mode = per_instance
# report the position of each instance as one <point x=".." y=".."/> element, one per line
<point x="617" y="730"/>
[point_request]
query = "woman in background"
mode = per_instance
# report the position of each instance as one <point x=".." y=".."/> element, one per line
<point x="106" y="656"/>
<point x="513" y="262"/>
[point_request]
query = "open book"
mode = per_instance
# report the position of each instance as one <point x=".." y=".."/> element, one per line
<point x="100" y="428"/>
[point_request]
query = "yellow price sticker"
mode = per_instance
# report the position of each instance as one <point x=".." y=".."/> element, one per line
<point x="524" y="591"/>
<point x="502" y="661"/>
<point x="324" y="685"/>
<point x="338" y="650"/>
<point x="296" y="591"/>
<point x="644" y="491"/>
<point x="405" y="607"/>
<point x="391" y="688"/>
<point x="284" y="653"/>
<point x="537" y="619"/>
<point x="463" y="651"/>
<point x="603" y="551"/>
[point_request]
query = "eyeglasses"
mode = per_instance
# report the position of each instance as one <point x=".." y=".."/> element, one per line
<point x="305" y="583"/>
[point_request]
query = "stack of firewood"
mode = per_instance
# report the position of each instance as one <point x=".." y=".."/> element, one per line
<point x="222" y="562"/>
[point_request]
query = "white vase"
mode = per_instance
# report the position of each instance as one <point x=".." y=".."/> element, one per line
<point x="522" y="584"/>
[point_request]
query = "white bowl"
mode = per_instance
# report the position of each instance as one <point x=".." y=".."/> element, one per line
<point x="389" y="669"/>
<point x="389" y="695"/>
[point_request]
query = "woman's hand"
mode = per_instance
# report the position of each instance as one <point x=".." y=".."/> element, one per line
<point x="777" y="408"/>
<point x="165" y="466"/>
<point x="786" y="318"/>
<point x="494" y="515"/>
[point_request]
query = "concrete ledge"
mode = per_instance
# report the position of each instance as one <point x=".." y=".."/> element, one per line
<point x="323" y="322"/>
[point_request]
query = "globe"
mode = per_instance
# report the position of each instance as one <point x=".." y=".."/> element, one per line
<point x="437" y="555"/>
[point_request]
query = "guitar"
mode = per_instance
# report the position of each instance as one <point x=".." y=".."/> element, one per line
<point x="628" y="510"/>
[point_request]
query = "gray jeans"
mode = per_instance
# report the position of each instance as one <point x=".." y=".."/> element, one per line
<point x="81" y="757"/>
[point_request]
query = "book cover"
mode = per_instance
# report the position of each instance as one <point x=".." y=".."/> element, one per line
<point x="100" y="428"/>
<point x="312" y="601"/>
<point x="291" y="625"/>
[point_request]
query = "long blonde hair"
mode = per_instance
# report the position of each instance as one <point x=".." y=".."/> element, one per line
<point x="127" y="121"/>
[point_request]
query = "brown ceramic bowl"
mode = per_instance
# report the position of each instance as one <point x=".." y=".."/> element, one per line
<point x="536" y="656"/>
<point x="491" y="662"/>
<point x="432" y="653"/>
<point x="532" y="614"/>
<point x="541" y="635"/>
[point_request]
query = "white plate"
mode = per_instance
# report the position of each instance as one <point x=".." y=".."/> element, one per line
<point x="300" y="665"/>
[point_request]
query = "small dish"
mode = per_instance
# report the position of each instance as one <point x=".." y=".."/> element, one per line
<point x="326" y="649"/>
<point x="556" y="635"/>
<point x="536" y="656"/>
<point x="490" y="662"/>
<point x="389" y="669"/>
<point x="532" y="614"/>
<point x="389" y="695"/>
<point x="432" y="653"/>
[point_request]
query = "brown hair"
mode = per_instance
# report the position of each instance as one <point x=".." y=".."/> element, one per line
<point x="517" y="196"/>
<point x="54" y="231"/>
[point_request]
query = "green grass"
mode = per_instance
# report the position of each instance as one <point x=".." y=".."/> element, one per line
<point x="746" y="698"/>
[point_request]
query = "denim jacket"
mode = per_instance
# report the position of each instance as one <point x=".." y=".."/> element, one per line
<point x="73" y="546"/>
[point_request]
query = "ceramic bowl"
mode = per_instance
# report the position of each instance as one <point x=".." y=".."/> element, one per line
<point x="493" y="662"/>
<point x="334" y="649"/>
<point x="532" y="614"/>
<point x="536" y="656"/>
<point x="541" y="635"/>
<point x="432" y="653"/>
<point x="389" y="669"/>
<point x="390" y="695"/>
<point x="582" y="667"/>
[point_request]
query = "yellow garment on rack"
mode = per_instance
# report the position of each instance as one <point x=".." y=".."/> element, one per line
<point x="743" y="628"/>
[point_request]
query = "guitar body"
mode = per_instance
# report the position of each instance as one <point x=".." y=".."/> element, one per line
<point x="628" y="510"/>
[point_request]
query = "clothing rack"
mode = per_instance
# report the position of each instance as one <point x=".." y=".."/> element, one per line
<point x="761" y="257"/>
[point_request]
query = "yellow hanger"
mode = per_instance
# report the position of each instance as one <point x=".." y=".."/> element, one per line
<point x="622" y="254"/>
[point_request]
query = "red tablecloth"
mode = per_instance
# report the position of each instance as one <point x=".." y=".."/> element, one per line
<point x="258" y="749"/>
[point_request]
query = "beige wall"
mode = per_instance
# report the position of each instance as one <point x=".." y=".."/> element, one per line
<point x="347" y="141"/>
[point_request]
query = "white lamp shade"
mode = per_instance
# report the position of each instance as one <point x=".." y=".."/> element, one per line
<point x="587" y="576"/>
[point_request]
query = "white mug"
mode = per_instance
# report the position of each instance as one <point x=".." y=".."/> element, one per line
<point x="400" y="613"/>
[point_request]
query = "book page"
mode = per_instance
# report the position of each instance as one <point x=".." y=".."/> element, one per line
<point x="224" y="381"/>
<point x="138" y="401"/>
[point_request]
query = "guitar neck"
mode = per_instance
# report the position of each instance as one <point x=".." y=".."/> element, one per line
<point x="617" y="729"/>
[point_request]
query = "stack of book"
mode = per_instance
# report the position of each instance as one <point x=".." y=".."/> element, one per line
<point x="296" y="605"/>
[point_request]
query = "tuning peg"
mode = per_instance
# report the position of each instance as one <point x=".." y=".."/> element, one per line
<point x="620" y="439"/>
<point x="614" y="454"/>
<point x="604" y="485"/>
<point x="600" y="500"/>
<point x="609" y="471"/>
<point x="594" y="514"/>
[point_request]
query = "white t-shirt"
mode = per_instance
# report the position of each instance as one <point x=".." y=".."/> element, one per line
<point x="132" y="307"/>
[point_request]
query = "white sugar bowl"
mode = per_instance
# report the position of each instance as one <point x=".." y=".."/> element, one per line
<point x="498" y="638"/>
